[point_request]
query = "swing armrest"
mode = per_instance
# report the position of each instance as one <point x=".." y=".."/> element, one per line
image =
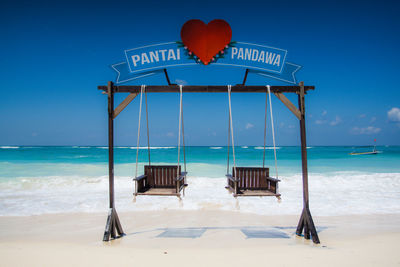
<point x="182" y="176"/>
<point x="230" y="177"/>
<point x="272" y="179"/>
<point x="144" y="176"/>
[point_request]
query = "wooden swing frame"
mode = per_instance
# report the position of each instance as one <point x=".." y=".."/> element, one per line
<point x="113" y="227"/>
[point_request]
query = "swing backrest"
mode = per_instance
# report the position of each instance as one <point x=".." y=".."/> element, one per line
<point x="251" y="177"/>
<point x="162" y="176"/>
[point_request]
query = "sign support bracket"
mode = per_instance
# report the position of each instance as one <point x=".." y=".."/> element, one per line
<point x="245" y="77"/>
<point x="167" y="77"/>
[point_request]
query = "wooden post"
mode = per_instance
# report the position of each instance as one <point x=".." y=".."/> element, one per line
<point x="306" y="221"/>
<point x="111" y="143"/>
<point x="303" y="145"/>
<point x="112" y="219"/>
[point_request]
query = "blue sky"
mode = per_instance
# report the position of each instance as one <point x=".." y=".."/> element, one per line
<point x="54" y="54"/>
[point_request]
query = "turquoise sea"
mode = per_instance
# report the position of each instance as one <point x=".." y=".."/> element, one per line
<point x="36" y="180"/>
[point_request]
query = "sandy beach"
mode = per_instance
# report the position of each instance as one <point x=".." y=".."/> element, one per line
<point x="198" y="238"/>
<point x="212" y="128"/>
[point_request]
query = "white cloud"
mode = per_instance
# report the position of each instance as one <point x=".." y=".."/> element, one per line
<point x="365" y="130"/>
<point x="291" y="126"/>
<point x="170" y="134"/>
<point x="324" y="113"/>
<point x="373" y="119"/>
<point x="362" y="116"/>
<point x="336" y="121"/>
<point x="394" y="115"/>
<point x="320" y="121"/>
<point x="249" y="126"/>
<point x="180" y="82"/>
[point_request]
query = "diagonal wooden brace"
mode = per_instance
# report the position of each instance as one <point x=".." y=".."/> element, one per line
<point x="289" y="104"/>
<point x="306" y="222"/>
<point x="113" y="226"/>
<point x="123" y="104"/>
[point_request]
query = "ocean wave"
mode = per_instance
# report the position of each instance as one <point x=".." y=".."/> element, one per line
<point x="216" y="147"/>
<point x="9" y="147"/>
<point x="153" y="147"/>
<point x="67" y="194"/>
<point x="75" y="157"/>
<point x="269" y="147"/>
<point x="245" y="147"/>
<point x="141" y="147"/>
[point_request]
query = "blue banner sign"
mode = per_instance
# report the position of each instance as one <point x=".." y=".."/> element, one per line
<point x="263" y="60"/>
<point x="153" y="57"/>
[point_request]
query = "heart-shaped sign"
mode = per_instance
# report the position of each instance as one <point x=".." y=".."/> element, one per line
<point x="206" y="40"/>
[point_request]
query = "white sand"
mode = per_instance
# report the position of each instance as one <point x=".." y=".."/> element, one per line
<point x="75" y="239"/>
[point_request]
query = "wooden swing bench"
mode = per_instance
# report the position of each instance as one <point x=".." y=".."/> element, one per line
<point x="160" y="181"/>
<point x="252" y="181"/>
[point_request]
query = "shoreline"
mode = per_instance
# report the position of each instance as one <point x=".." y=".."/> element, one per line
<point x="202" y="237"/>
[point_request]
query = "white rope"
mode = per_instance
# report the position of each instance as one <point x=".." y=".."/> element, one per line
<point x="265" y="126"/>
<point x="273" y="130"/>
<point x="179" y="129"/>
<point x="142" y="88"/>
<point x="230" y="117"/>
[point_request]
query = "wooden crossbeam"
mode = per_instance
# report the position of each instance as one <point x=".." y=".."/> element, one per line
<point x="206" y="88"/>
<point x="289" y="104"/>
<point x="124" y="103"/>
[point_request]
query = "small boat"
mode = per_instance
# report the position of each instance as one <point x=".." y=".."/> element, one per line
<point x="373" y="152"/>
<point x="365" y="153"/>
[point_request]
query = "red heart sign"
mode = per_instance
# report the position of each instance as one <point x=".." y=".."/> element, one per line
<point x="206" y="40"/>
